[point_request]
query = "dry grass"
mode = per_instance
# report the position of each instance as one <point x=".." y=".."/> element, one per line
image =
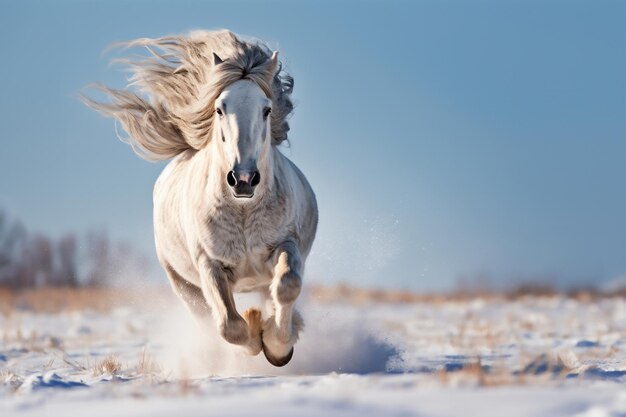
<point x="107" y="366"/>
<point x="534" y="370"/>
<point x="147" y="365"/>
<point x="55" y="300"/>
<point x="356" y="295"/>
<point x="473" y="373"/>
<point x="10" y="379"/>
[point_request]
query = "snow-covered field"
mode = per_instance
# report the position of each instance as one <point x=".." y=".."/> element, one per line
<point x="530" y="357"/>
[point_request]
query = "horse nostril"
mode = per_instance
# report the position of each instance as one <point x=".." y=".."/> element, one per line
<point x="231" y="179"/>
<point x="256" y="178"/>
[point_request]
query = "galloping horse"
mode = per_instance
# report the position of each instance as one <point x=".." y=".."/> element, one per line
<point x="231" y="212"/>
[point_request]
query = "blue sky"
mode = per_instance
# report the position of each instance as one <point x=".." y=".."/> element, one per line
<point x="444" y="139"/>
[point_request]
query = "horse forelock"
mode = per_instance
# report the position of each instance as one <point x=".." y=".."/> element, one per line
<point x="196" y="118"/>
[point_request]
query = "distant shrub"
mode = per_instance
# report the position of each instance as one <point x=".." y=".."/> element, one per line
<point x="35" y="260"/>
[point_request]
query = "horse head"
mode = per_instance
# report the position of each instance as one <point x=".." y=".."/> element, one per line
<point x="242" y="128"/>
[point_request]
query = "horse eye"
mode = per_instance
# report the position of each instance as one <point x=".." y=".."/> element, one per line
<point x="219" y="111"/>
<point x="266" y="112"/>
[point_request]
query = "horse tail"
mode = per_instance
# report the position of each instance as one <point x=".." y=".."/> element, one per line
<point x="153" y="134"/>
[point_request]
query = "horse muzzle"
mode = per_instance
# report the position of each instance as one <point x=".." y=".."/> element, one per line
<point x="242" y="183"/>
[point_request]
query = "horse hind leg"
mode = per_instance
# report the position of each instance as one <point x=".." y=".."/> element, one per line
<point x="253" y="318"/>
<point x="190" y="295"/>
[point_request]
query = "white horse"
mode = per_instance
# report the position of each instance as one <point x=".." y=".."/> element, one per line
<point x="231" y="212"/>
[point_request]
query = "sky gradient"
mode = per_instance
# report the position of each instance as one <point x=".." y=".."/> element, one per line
<point x="445" y="140"/>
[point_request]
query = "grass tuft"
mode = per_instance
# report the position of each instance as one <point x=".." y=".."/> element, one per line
<point x="108" y="366"/>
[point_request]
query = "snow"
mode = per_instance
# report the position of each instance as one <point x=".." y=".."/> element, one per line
<point x="490" y="357"/>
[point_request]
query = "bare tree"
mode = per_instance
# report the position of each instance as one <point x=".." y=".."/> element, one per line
<point x="13" y="245"/>
<point x="66" y="273"/>
<point x="28" y="261"/>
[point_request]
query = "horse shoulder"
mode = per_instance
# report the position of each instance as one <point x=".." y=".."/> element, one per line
<point x="303" y="205"/>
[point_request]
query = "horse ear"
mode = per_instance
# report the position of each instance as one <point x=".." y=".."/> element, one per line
<point x="216" y="59"/>
<point x="273" y="63"/>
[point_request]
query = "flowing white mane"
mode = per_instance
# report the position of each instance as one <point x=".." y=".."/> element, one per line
<point x="182" y="83"/>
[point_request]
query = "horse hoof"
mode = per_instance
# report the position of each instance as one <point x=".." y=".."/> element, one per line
<point x="278" y="362"/>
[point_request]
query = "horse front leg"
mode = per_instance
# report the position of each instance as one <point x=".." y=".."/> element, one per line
<point x="244" y="331"/>
<point x="280" y="331"/>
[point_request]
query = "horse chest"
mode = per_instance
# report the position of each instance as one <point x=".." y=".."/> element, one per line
<point x="240" y="242"/>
